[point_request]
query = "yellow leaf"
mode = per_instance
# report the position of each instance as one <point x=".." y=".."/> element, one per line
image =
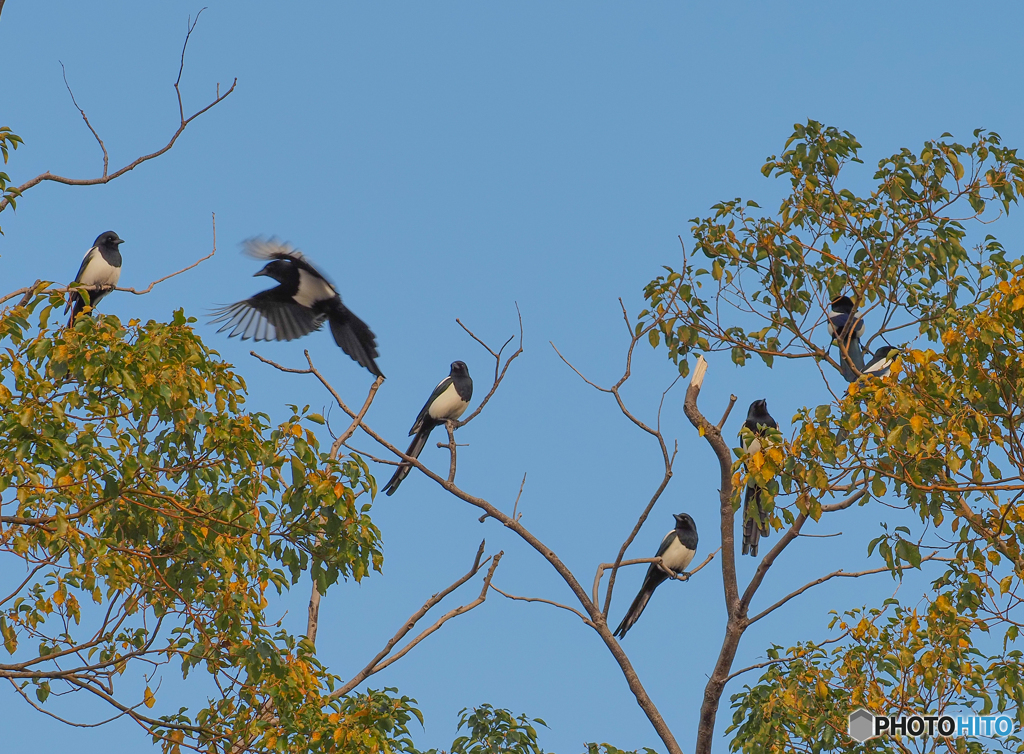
<point x="149" y="700"/>
<point x="700" y="430"/>
<point x="1018" y="303"/>
<point x="917" y="424"/>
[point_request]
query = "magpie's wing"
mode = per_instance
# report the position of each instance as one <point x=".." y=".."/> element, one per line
<point x="666" y="543"/>
<point x="85" y="263"/>
<point x="74" y="297"/>
<point x="441" y="387"/>
<point x="270" y="248"/>
<point x="263" y="318"/>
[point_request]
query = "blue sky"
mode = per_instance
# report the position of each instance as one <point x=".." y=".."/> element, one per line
<point x="449" y="160"/>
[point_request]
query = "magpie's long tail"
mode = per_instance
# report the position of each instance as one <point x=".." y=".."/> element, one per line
<point x="355" y="338"/>
<point x="854" y="357"/>
<point x="75" y="303"/>
<point x="636" y="609"/>
<point x="753" y="530"/>
<point x="418" y="442"/>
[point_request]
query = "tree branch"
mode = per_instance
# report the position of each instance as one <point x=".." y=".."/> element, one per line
<point x="107" y="177"/>
<point x="498" y="375"/>
<point x="377" y="664"/>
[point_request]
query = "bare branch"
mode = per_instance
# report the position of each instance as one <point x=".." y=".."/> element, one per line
<point x="377" y="663"/>
<point x="107" y="177"/>
<point x="728" y="410"/>
<point x="344" y="436"/>
<point x="195" y="264"/>
<point x="498" y="375"/>
<point x="106" y="158"/>
<point x="837" y="574"/>
<point x="572" y="610"/>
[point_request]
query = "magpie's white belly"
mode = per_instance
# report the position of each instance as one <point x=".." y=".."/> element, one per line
<point x="677" y="557"/>
<point x="312" y="289"/>
<point x="98" y="272"/>
<point x="448" y="405"/>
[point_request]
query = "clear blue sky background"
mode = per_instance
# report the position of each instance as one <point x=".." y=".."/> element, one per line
<point x="444" y="160"/>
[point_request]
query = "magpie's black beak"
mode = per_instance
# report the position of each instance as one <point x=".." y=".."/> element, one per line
<point x="261" y="273"/>
<point x="118" y="242"/>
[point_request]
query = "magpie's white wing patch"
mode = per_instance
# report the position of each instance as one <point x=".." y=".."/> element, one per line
<point x="312" y="289"/>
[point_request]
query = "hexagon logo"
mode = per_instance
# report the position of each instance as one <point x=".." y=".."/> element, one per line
<point x="862" y="725"/>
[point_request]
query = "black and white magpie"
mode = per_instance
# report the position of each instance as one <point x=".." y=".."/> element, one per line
<point x="676" y="552"/>
<point x="298" y="306"/>
<point x="101" y="266"/>
<point x="759" y="421"/>
<point x="847" y="329"/>
<point x="449" y="400"/>
<point x="881" y="362"/>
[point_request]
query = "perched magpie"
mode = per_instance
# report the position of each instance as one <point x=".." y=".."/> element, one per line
<point x="676" y="551"/>
<point x="101" y="266"/>
<point x="882" y="361"/>
<point x="448" y="401"/>
<point x="847" y="330"/>
<point x="759" y="421"/>
<point x="302" y="302"/>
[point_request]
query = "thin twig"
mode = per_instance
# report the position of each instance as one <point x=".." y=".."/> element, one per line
<point x="572" y="610"/>
<point x="498" y="375"/>
<point x="839" y="574"/>
<point x="514" y="507"/>
<point x="106" y="158"/>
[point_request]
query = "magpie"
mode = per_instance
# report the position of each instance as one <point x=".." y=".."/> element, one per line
<point x="759" y="421"/>
<point x="676" y="551"/>
<point x="101" y="266"/>
<point x="448" y="401"/>
<point x="847" y="330"/>
<point x="881" y="362"/>
<point x="303" y="301"/>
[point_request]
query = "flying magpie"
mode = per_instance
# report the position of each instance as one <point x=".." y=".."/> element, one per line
<point x="303" y="301"/>
<point x="759" y="421"/>
<point x="101" y="266"/>
<point x="881" y="362"/>
<point x="448" y="401"/>
<point x="847" y="330"/>
<point x="676" y="551"/>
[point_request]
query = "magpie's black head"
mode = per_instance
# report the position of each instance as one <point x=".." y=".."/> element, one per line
<point x="842" y="304"/>
<point x="108" y="239"/>
<point x="757" y="409"/>
<point x="887" y="352"/>
<point x="684" y="522"/>
<point x="459" y="368"/>
<point x="281" y="270"/>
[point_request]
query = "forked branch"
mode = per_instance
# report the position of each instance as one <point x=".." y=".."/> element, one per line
<point x="379" y="662"/>
<point x="107" y="176"/>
